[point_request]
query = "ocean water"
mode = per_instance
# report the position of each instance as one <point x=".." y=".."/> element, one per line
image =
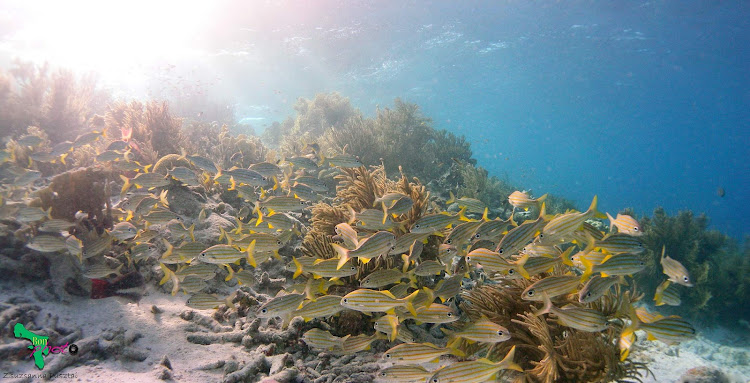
<point x="644" y="104"/>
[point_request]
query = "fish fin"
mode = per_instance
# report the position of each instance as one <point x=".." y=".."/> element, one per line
<point x="385" y="213"/>
<point x="605" y="275"/>
<point x="409" y="302"/>
<point x="298" y="268"/>
<point x="461" y="215"/>
<point x="565" y="256"/>
<point x="485" y="218"/>
<point x="520" y="263"/>
<point x="547" y="305"/>
<point x="126" y="186"/>
<point x="190" y="231"/>
<point x="343" y="255"/>
<point x="508" y="363"/>
<point x="231" y="273"/>
<point x="588" y="268"/>
<point x="232" y="183"/>
<point x="250" y="249"/>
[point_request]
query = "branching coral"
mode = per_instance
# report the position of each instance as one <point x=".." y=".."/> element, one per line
<point x="549" y="351"/>
<point x="150" y="127"/>
<point x="58" y="102"/>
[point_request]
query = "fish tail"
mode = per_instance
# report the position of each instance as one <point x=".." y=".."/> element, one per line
<point x="352" y="214"/>
<point x="147" y="167"/>
<point x="167" y="273"/>
<point x="409" y="302"/>
<point x="508" y="362"/>
<point x="126" y="186"/>
<point x="169" y="249"/>
<point x="451" y="199"/>
<point x="163" y="198"/>
<point x="249" y="251"/>
<point x="519" y="265"/>
<point x="485" y="218"/>
<point x="588" y="268"/>
<point x="565" y="256"/>
<point x="230" y="270"/>
<point x="298" y="268"/>
<point x="275" y="183"/>
<point x="191" y="232"/>
<point x="461" y="214"/>
<point x="232" y="183"/>
<point x="62" y="158"/>
<point x="385" y="213"/>
<point x="457" y="352"/>
<point x="343" y="255"/>
<point x="611" y="222"/>
<point x="430" y="296"/>
<point x="405" y="258"/>
<point x="541" y="199"/>
<point x="547" y="306"/>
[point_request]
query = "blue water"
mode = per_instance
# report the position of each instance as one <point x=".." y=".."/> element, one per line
<point x="643" y="103"/>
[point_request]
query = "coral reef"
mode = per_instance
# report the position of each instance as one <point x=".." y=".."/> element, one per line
<point x="549" y="351"/>
<point x="84" y="189"/>
<point x="718" y="267"/>
<point x="57" y="101"/>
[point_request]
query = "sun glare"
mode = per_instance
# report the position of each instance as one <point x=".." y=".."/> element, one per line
<point x="117" y="39"/>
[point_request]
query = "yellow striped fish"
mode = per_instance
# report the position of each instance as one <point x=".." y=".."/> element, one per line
<point x="552" y="286"/>
<point x="325" y="306"/>
<point x="280" y="306"/>
<point x="434" y="222"/>
<point x="429" y="267"/>
<point x="519" y="236"/>
<point x="522" y="200"/>
<point x="676" y="272"/>
<point x="203" y="301"/>
<point x="378" y="244"/>
<point x="383" y="277"/>
<point x="354" y="344"/>
<point x="406" y="373"/>
<point x="579" y="318"/>
<point x="484" y="331"/>
<point x="625" y="224"/>
<point x="448" y="288"/>
<point x="620" y="243"/>
<point x="435" y="313"/>
<point x="404" y="243"/>
<point x="418" y="353"/>
<point x="667" y="294"/>
<point x="670" y="330"/>
<point x="317" y="338"/>
<point x="565" y="224"/>
<point x="226" y="254"/>
<point x="493" y="261"/>
<point x="620" y="264"/>
<point x="366" y="300"/>
<point x="348" y="234"/>
<point x="475" y="371"/>
<point x="472" y="205"/>
<point x="328" y="268"/>
<point x="389" y="325"/>
<point x="47" y="243"/>
<point x="596" y="287"/>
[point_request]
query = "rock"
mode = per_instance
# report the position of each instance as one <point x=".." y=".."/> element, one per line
<point x="165" y="362"/>
<point x="704" y="374"/>
<point x="163" y="373"/>
<point x="209" y="230"/>
<point x="156" y="310"/>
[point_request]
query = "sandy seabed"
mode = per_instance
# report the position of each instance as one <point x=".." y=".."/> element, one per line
<point x="165" y="334"/>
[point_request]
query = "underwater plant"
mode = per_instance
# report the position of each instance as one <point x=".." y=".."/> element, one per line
<point x="58" y="102"/>
<point x="718" y="267"/>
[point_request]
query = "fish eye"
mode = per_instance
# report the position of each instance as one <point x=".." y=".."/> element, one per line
<point x="500" y="332"/>
<point x="301" y="202"/>
<point x="468" y="259"/>
<point x="345" y="300"/>
<point x="353" y="268"/>
<point x="450" y="315"/>
<point x="449" y="241"/>
<point x="500" y="251"/>
<point x="685" y="278"/>
<point x="416" y="226"/>
<point x="541" y="235"/>
<point x="643" y="263"/>
<point x="263" y="311"/>
<point x="448" y="251"/>
<point x="588" y="294"/>
<point x="383" y="374"/>
<point x="530" y="293"/>
<point x="511" y="272"/>
<point x="435" y="380"/>
<point x="635" y="229"/>
<point x="477" y="235"/>
<point x="278" y="242"/>
<point x="388" y="356"/>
